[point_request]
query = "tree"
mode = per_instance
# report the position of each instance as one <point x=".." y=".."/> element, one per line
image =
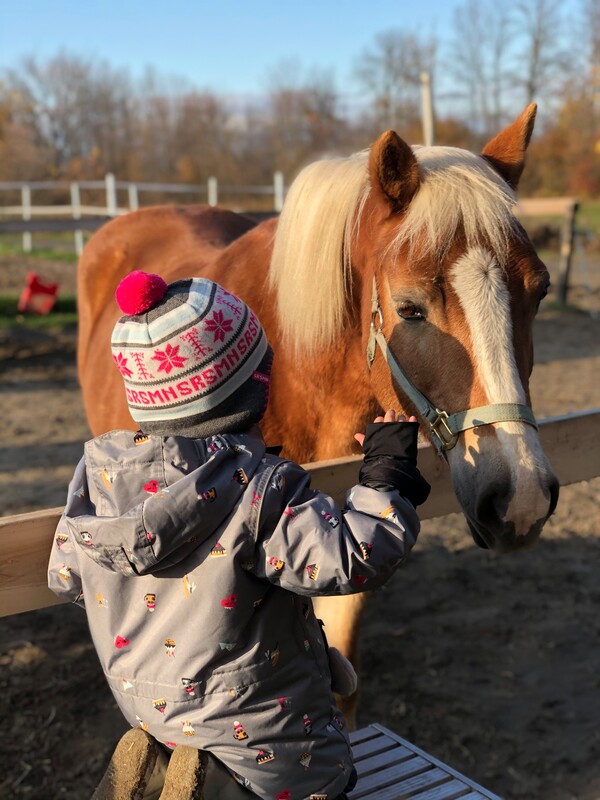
<point x="390" y="72"/>
<point x="542" y="60"/>
<point x="75" y="109"/>
<point x="304" y="121"/>
<point x="21" y="156"/>
<point x="478" y="60"/>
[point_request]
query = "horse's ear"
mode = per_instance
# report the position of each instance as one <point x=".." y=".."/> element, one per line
<point x="394" y="170"/>
<point x="506" y="151"/>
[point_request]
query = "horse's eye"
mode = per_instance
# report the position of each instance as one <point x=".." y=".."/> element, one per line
<point x="541" y="297"/>
<point x="410" y="311"/>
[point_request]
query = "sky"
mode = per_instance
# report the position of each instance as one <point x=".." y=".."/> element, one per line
<point x="234" y="48"/>
<point x="227" y="46"/>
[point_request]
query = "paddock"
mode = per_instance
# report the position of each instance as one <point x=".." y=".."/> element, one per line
<point x="488" y="663"/>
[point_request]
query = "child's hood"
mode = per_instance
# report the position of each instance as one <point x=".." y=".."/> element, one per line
<point x="147" y="501"/>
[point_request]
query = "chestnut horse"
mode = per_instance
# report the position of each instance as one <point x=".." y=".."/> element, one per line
<point x="412" y="249"/>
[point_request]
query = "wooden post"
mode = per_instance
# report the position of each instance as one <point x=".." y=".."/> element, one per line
<point x="427" y="109"/>
<point x="111" y="195"/>
<point x="567" y="238"/>
<point x="132" y="194"/>
<point x="76" y="211"/>
<point x="212" y="191"/>
<point x="278" y="191"/>
<point x="26" y="213"/>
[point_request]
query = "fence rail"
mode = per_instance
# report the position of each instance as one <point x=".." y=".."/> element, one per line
<point x="24" y="214"/>
<point x="572" y="443"/>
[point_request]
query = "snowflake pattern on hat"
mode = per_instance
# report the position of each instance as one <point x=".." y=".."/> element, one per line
<point x="169" y="358"/>
<point x="219" y="326"/>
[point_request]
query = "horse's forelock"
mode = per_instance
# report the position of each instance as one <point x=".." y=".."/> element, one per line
<point x="310" y="266"/>
<point x="459" y="192"/>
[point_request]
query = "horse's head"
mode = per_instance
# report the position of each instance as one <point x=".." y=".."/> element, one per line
<point x="421" y="246"/>
<point x="452" y="283"/>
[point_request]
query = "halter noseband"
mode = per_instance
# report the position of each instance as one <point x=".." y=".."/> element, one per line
<point x="443" y="427"/>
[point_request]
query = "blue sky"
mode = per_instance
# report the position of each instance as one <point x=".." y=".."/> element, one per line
<point x="228" y="46"/>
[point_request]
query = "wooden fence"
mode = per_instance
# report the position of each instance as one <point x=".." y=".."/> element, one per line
<point x="564" y="208"/>
<point x="572" y="443"/>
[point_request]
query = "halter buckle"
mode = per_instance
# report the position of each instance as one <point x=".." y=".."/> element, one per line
<point x="377" y="313"/>
<point x="440" y="427"/>
<point x="373" y="333"/>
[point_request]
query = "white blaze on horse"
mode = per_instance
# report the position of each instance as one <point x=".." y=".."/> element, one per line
<point x="398" y="277"/>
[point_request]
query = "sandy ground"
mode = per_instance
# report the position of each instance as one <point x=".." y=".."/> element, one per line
<point x="489" y="663"/>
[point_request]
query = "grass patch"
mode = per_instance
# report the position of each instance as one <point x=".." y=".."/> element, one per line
<point x="588" y="216"/>
<point x="45" y="254"/>
<point x="63" y="315"/>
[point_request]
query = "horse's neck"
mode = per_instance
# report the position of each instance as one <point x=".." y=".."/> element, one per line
<point x="318" y="401"/>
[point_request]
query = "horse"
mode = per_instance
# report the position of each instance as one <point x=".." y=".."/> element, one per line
<point x="397" y="277"/>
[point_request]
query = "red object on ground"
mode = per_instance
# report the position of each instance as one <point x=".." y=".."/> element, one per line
<point x="38" y="296"/>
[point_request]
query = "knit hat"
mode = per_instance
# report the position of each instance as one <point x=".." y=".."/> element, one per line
<point x="194" y="358"/>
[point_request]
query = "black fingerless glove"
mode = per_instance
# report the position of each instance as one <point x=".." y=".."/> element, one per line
<point x="390" y="450"/>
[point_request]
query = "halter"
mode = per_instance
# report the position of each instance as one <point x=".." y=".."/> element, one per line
<point x="443" y="427"/>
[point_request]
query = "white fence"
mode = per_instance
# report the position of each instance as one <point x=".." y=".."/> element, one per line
<point x="113" y="191"/>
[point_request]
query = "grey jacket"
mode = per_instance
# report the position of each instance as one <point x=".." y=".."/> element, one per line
<point x="196" y="560"/>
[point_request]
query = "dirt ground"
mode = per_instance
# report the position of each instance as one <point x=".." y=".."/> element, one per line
<point x="489" y="663"/>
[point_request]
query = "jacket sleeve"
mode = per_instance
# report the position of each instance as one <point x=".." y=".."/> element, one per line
<point x="309" y="545"/>
<point x="63" y="568"/>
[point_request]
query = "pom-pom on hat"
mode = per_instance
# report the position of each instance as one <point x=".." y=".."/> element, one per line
<point x="194" y="358"/>
<point x="139" y="291"/>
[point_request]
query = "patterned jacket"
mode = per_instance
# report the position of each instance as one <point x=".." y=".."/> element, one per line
<point x="196" y="560"/>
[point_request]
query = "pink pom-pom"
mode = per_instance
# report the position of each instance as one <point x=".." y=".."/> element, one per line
<point x="139" y="291"/>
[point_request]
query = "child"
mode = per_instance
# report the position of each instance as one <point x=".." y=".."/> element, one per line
<point x="197" y="551"/>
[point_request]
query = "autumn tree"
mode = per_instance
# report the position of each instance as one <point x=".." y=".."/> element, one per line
<point x="76" y="110"/>
<point x="22" y="155"/>
<point x="542" y="58"/>
<point x="478" y="60"/>
<point x="389" y="71"/>
<point x="303" y="120"/>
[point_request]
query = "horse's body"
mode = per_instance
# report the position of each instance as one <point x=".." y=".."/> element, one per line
<point x="458" y="285"/>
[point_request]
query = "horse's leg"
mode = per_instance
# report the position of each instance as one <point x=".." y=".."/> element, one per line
<point x="341" y="617"/>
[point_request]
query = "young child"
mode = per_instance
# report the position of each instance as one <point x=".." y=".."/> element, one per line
<point x="197" y="551"/>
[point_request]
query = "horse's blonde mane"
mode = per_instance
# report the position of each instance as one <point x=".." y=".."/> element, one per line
<point x="310" y="266"/>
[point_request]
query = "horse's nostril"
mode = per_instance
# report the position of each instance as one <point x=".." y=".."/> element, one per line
<point x="487" y="508"/>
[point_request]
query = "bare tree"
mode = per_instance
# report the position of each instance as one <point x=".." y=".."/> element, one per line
<point x="390" y="73"/>
<point x="22" y="156"/>
<point x="200" y="140"/>
<point x="304" y="120"/>
<point x="74" y="108"/>
<point x="591" y="35"/>
<point x="478" y="59"/>
<point x="542" y="58"/>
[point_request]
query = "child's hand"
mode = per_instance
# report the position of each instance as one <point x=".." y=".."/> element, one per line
<point x="390" y="416"/>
